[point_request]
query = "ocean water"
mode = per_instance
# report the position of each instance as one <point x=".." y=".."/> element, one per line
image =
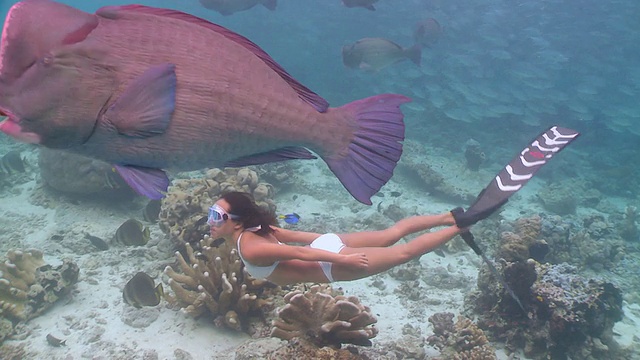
<point x="500" y="73"/>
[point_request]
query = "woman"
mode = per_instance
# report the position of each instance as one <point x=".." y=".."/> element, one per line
<point x="327" y="258"/>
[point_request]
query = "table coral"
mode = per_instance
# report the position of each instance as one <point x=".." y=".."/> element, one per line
<point x="324" y="319"/>
<point x="214" y="280"/>
<point x="184" y="210"/>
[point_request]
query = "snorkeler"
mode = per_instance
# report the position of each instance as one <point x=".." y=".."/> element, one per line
<point x="264" y="248"/>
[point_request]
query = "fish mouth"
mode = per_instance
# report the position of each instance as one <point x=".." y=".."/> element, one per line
<point x="10" y="125"/>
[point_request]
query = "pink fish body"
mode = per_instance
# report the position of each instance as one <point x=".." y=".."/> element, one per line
<point x="149" y="89"/>
<point x="228" y="7"/>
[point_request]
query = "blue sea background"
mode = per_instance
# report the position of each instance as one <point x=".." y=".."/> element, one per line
<point x="501" y="73"/>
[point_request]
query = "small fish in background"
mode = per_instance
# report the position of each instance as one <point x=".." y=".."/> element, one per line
<point x="133" y="233"/>
<point x="427" y="32"/>
<point x="395" y="193"/>
<point x="375" y="54"/>
<point x="54" y="341"/>
<point x="97" y="242"/>
<point x="228" y="7"/>
<point x="292" y="218"/>
<point x="151" y="211"/>
<point x="12" y="162"/>
<point x="367" y="4"/>
<point x="141" y="291"/>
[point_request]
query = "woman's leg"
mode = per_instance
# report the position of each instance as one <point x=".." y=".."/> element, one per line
<point x="391" y="235"/>
<point x="383" y="259"/>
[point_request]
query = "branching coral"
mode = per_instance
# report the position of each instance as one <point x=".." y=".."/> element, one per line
<point x="324" y="319"/>
<point x="184" y="209"/>
<point x="462" y="341"/>
<point x="214" y="280"/>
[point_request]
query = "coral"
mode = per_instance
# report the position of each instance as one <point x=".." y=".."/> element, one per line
<point x="28" y="287"/>
<point x="433" y="182"/>
<point x="17" y="274"/>
<point x="214" y="280"/>
<point x="565" y="314"/>
<point x="474" y="155"/>
<point x="462" y="341"/>
<point x="515" y="246"/>
<point x="184" y="210"/>
<point x="629" y="230"/>
<point x="512" y="247"/>
<point x="559" y="198"/>
<point x="324" y="319"/>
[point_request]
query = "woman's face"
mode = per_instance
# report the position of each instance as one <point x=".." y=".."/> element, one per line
<point x="227" y="227"/>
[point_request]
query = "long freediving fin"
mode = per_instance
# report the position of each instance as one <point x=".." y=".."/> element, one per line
<point x="511" y="179"/>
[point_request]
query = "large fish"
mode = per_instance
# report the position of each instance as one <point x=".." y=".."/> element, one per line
<point x="375" y="54"/>
<point x="228" y="7"/>
<point x="149" y="89"/>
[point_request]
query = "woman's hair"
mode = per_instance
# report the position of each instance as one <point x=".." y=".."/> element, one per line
<point x="250" y="214"/>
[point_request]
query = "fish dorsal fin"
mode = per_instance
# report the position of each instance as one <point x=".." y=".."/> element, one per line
<point x="304" y="93"/>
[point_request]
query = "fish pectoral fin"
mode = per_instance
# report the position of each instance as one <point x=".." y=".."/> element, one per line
<point x="146" y="106"/>
<point x="149" y="182"/>
<point x="285" y="153"/>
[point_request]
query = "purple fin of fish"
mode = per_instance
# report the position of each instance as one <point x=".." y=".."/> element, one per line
<point x="149" y="182"/>
<point x="304" y="93"/>
<point x="146" y="106"/>
<point x="285" y="153"/>
<point x="376" y="147"/>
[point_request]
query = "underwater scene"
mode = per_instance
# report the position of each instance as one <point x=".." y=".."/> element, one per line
<point x="418" y="122"/>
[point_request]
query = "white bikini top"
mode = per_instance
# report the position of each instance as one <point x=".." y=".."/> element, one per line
<point x="258" y="272"/>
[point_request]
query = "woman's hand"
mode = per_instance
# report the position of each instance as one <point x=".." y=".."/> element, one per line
<point x="356" y="261"/>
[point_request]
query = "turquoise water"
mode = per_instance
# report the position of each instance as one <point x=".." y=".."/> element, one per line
<point x="500" y="73"/>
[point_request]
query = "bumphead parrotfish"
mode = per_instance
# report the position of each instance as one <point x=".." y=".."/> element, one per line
<point x="149" y="89"/>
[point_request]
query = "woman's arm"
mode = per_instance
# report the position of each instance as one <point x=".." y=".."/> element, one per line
<point x="264" y="252"/>
<point x="291" y="236"/>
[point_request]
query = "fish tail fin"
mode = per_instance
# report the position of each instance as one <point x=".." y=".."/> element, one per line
<point x="368" y="161"/>
<point x="270" y="4"/>
<point x="414" y="53"/>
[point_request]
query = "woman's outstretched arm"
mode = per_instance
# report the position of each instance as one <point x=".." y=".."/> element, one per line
<point x="291" y="236"/>
<point x="262" y="252"/>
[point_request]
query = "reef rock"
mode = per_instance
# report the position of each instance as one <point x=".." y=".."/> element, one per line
<point x="565" y="314"/>
<point x="184" y="210"/>
<point x="323" y="319"/>
<point x="74" y="174"/>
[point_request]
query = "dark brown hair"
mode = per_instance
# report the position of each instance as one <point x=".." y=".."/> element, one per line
<point x="250" y="214"/>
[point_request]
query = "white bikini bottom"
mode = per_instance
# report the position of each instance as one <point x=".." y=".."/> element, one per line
<point x="328" y="242"/>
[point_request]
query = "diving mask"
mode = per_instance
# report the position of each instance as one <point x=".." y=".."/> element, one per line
<point x="218" y="215"/>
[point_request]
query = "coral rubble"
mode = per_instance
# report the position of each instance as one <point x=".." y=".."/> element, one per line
<point x="184" y="210"/>
<point x="318" y="316"/>
<point x="28" y="287"/>
<point x="214" y="280"/>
